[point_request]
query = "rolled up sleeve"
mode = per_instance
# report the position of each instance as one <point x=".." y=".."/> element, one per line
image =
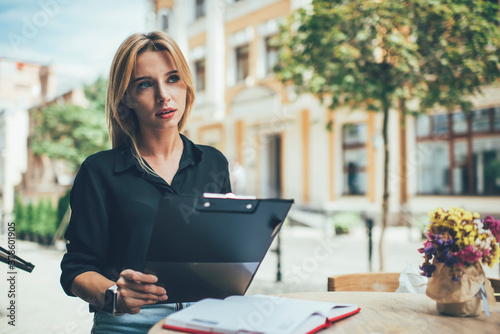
<point x="87" y="232"/>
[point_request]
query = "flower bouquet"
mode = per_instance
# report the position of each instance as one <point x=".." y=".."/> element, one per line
<point x="458" y="244"/>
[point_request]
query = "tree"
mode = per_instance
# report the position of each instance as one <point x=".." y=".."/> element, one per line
<point x="71" y="132"/>
<point x="382" y="55"/>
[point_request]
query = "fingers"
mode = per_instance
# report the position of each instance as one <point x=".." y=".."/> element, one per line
<point x="141" y="284"/>
<point x="142" y="291"/>
<point x="137" y="289"/>
<point x="137" y="276"/>
<point x="140" y="287"/>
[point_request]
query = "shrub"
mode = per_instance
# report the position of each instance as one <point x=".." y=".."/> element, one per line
<point x="20" y="217"/>
<point x="46" y="225"/>
<point x="344" y="221"/>
<point x="31" y="219"/>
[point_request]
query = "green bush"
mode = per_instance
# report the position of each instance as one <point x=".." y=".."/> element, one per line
<point x="20" y="217"/>
<point x="30" y="219"/>
<point x="46" y="224"/>
<point x="343" y="222"/>
<point x="39" y="221"/>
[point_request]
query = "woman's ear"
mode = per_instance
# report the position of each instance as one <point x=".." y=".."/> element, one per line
<point x="127" y="101"/>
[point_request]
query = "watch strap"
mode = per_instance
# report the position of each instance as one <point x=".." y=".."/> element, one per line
<point x="111" y="301"/>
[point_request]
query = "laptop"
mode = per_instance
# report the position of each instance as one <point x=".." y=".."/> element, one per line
<point x="211" y="246"/>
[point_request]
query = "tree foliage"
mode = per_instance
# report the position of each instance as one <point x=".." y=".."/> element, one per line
<point x="377" y="55"/>
<point x="71" y="132"/>
<point x="366" y="53"/>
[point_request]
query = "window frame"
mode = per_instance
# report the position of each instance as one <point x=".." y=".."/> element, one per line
<point x="200" y="84"/>
<point x="200" y="9"/>
<point x="269" y="68"/>
<point x="451" y="137"/>
<point x="351" y="147"/>
<point x="243" y="64"/>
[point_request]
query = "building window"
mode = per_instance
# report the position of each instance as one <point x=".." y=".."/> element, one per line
<point x="242" y="62"/>
<point x="200" y="75"/>
<point x="200" y="9"/>
<point x="164" y="22"/>
<point x="354" y="137"/>
<point x="496" y="118"/>
<point x="271" y="55"/>
<point x="459" y="154"/>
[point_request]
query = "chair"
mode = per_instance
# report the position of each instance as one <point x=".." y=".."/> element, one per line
<point x="380" y="282"/>
<point x="495" y="284"/>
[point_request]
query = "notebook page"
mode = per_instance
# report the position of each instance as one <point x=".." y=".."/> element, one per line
<point x="282" y="315"/>
<point x="256" y="314"/>
<point x="208" y="315"/>
<point x="327" y="309"/>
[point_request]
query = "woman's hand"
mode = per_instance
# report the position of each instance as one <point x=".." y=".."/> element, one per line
<point x="136" y="289"/>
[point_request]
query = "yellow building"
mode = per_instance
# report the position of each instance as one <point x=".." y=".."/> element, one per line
<point x="281" y="139"/>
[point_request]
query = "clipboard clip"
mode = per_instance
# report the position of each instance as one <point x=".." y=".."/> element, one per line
<point x="210" y="202"/>
<point x="228" y="195"/>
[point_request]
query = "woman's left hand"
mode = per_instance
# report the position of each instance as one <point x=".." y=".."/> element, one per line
<point x="137" y="289"/>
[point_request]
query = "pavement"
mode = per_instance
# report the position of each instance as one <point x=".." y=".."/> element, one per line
<point x="308" y="258"/>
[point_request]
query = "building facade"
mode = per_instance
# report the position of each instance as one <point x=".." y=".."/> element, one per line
<point x="281" y="141"/>
<point x="22" y="85"/>
<point x="45" y="177"/>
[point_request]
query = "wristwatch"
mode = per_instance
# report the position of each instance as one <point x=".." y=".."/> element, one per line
<point x="111" y="301"/>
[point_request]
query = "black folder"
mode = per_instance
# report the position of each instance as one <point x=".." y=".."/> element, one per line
<point x="210" y="246"/>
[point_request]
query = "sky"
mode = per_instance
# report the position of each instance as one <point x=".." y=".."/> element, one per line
<point x="77" y="37"/>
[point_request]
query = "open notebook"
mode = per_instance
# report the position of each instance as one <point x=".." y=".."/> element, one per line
<point x="258" y="314"/>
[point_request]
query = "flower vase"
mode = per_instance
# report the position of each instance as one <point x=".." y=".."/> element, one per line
<point x="459" y="297"/>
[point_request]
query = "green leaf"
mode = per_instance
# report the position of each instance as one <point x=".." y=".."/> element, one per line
<point x="72" y="133"/>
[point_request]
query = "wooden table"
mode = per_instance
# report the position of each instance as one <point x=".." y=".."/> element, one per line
<point x="387" y="312"/>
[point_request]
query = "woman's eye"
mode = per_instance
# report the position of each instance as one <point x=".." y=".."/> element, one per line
<point x="144" y="84"/>
<point x="173" y="78"/>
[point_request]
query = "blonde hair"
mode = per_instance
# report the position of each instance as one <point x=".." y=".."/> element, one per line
<point x="123" y="126"/>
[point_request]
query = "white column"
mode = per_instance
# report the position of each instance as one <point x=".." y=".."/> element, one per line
<point x="215" y="58"/>
<point x="180" y="21"/>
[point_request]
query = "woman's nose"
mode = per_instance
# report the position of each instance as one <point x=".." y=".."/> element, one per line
<point x="162" y="93"/>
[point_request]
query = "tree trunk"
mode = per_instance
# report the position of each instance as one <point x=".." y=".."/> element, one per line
<point x="385" y="198"/>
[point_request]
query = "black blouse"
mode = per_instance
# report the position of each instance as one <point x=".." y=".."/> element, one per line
<point x="114" y="203"/>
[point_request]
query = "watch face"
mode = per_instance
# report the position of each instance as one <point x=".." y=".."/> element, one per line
<point x="109" y="297"/>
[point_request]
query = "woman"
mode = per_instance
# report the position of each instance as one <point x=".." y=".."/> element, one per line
<point x="116" y="193"/>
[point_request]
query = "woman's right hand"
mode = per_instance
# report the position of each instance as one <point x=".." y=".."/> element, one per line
<point x="136" y="289"/>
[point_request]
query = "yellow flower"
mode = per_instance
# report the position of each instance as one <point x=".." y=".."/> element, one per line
<point x="468" y="228"/>
<point x="494" y="254"/>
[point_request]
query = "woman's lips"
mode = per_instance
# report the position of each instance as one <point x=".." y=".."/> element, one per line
<point x="166" y="113"/>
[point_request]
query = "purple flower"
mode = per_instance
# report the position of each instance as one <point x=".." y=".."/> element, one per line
<point x="428" y="248"/>
<point x="444" y="244"/>
<point x="493" y="225"/>
<point x="427" y="269"/>
<point x="450" y="260"/>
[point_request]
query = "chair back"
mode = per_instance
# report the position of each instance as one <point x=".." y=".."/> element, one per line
<point x="495" y="284"/>
<point x="380" y="282"/>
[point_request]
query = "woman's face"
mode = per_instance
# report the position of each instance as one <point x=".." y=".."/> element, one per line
<point x="156" y="91"/>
